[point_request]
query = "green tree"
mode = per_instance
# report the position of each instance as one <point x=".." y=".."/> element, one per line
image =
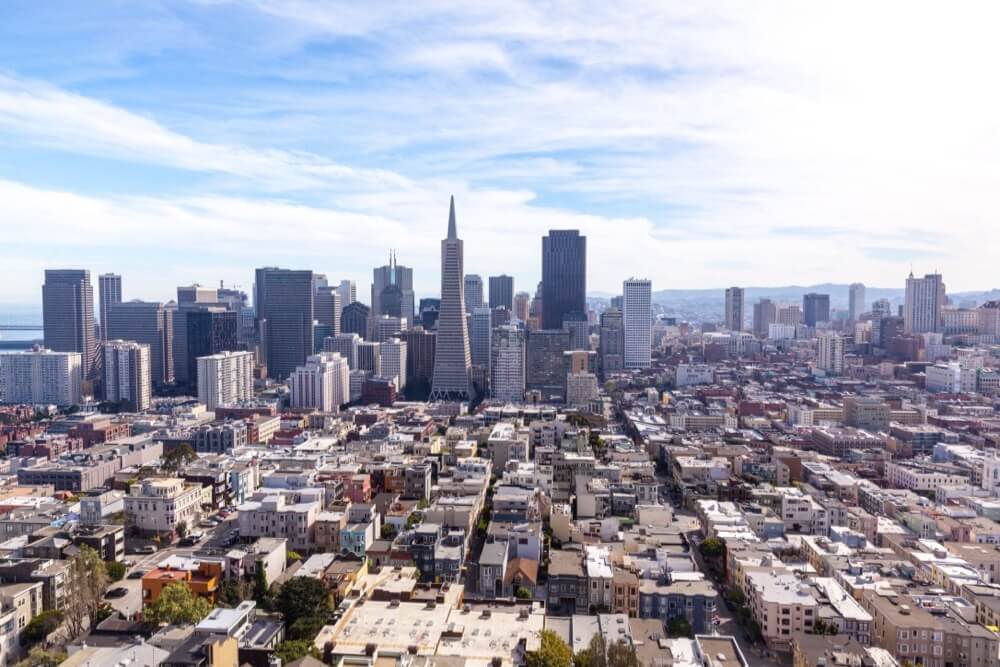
<point x="422" y="504"/>
<point x="290" y="650"/>
<point x="261" y="590"/>
<point x="302" y="597"/>
<point x="737" y="597"/>
<point x="622" y="654"/>
<point x="115" y="570"/>
<point x="595" y="655"/>
<point x="181" y="528"/>
<point x="711" y="547"/>
<point x="177" y="605"/>
<point x="388" y="531"/>
<point x="679" y="626"/>
<point x="39" y="657"/>
<point x="178" y="457"/>
<point x="41" y="626"/>
<point x="306" y="627"/>
<point x="552" y="652"/>
<point x="523" y="593"/>
<point x="88" y="579"/>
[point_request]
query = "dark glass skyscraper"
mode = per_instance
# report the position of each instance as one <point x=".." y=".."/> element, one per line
<point x="564" y="277"/>
<point x="68" y="316"/>
<point x="285" y="313"/>
<point x="502" y="292"/>
<point x="815" y="308"/>
<point x="150" y="323"/>
<point x="209" y="330"/>
<point x="354" y="319"/>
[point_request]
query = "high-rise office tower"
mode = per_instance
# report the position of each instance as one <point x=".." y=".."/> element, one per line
<point x="348" y="291"/>
<point x="225" y="378"/>
<point x="387" y="327"/>
<point x="189" y="298"/>
<point x="579" y="331"/>
<point x="545" y="365"/>
<point x="564" y="277"/>
<point x="109" y="291"/>
<point x="393" y="353"/>
<point x="502" y="292"/>
<point x="322" y="383"/>
<point x="638" y="322"/>
<point x="210" y="330"/>
<point x="354" y="319"/>
<point x="402" y="278"/>
<point x="429" y="310"/>
<point x="815" y="308"/>
<point x="41" y="376"/>
<point x="420" y="346"/>
<point x="68" y="316"/>
<point x="856" y="301"/>
<point x="522" y="304"/>
<point x="925" y="299"/>
<point x="734" y="309"/>
<point x="480" y="328"/>
<point x="146" y="322"/>
<point x="507" y="375"/>
<point x="612" y="357"/>
<point x="127" y="374"/>
<point x="882" y="308"/>
<point x="789" y="315"/>
<point x="830" y="353"/>
<point x="452" y="357"/>
<point x="765" y="313"/>
<point x="473" y="292"/>
<point x="346" y="345"/>
<point x="370" y="357"/>
<point x="328" y="309"/>
<point x="285" y="313"/>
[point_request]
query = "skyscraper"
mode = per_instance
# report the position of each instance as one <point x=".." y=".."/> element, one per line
<point x="285" y="314"/>
<point x="191" y="298"/>
<point x="402" y="278"/>
<point x="346" y="345"/>
<point x="612" y="357"/>
<point x="765" y="313"/>
<point x="734" y="309"/>
<point x="225" y="378"/>
<point x="545" y="364"/>
<point x="638" y="322"/>
<point x="830" y="353"/>
<point x="815" y="308"/>
<point x="328" y="308"/>
<point x="348" y="292"/>
<point x="393" y="353"/>
<point x="68" y="316"/>
<point x="452" y="358"/>
<point x="210" y="330"/>
<point x="502" y="292"/>
<point x="322" y="383"/>
<point x="925" y="299"/>
<point x="109" y="290"/>
<point x="126" y="374"/>
<point x="522" y="304"/>
<point x="507" y="376"/>
<point x="480" y="328"/>
<point x="856" y="301"/>
<point x="564" y="277"/>
<point x="473" y="292"/>
<point x="354" y="319"/>
<point x="147" y="322"/>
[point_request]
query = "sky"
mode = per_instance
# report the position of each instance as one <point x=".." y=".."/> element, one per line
<point x="696" y="144"/>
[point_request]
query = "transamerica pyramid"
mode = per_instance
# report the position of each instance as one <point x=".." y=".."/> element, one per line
<point x="451" y="357"/>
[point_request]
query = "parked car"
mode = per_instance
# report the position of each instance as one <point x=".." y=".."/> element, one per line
<point x="118" y="592"/>
<point x="138" y="574"/>
<point x="148" y="549"/>
<point x="208" y="523"/>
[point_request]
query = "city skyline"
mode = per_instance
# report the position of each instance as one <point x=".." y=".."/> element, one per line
<point x="120" y="155"/>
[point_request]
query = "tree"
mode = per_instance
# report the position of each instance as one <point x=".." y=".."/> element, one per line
<point x="422" y="504"/>
<point x="388" y="531"/>
<point x="115" y="570"/>
<point x="261" y="591"/>
<point x="294" y="649"/>
<point x="232" y="592"/>
<point x="711" y="547"/>
<point x="302" y="597"/>
<point x="523" y="593"/>
<point x="178" y="457"/>
<point x="181" y="528"/>
<point x="306" y="627"/>
<point x="293" y="556"/>
<point x="595" y="655"/>
<point x="177" y="605"/>
<point x="821" y="627"/>
<point x="39" y="657"/>
<point x="679" y="626"/>
<point x="622" y="654"/>
<point x="552" y="652"/>
<point x="736" y="596"/>
<point x="88" y="579"/>
<point x="41" y="626"/>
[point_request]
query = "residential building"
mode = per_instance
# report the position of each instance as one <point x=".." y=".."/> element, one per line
<point x="127" y="374"/>
<point x="41" y="377"/>
<point x="322" y="383"/>
<point x="225" y="378"/>
<point x="637" y="322"/>
<point x="507" y="363"/>
<point x="925" y="300"/>
<point x="155" y="506"/>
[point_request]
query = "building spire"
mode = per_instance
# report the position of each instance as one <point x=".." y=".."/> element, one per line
<point x="452" y="230"/>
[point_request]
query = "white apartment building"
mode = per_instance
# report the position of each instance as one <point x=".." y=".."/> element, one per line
<point x="40" y="376"/>
<point x="127" y="374"/>
<point x="225" y="378"/>
<point x="950" y="378"/>
<point x="830" y="353"/>
<point x="780" y="331"/>
<point x="345" y="344"/>
<point x="802" y="514"/>
<point x="782" y="604"/>
<point x="920" y="478"/>
<point x="691" y="374"/>
<point x="637" y="321"/>
<point x="157" y="505"/>
<point x="581" y="389"/>
<point x="925" y="299"/>
<point x="275" y="516"/>
<point x="507" y="373"/>
<point x="394" y="361"/>
<point x="323" y="382"/>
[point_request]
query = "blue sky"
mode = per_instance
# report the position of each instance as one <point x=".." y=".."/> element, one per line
<point x="696" y="144"/>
